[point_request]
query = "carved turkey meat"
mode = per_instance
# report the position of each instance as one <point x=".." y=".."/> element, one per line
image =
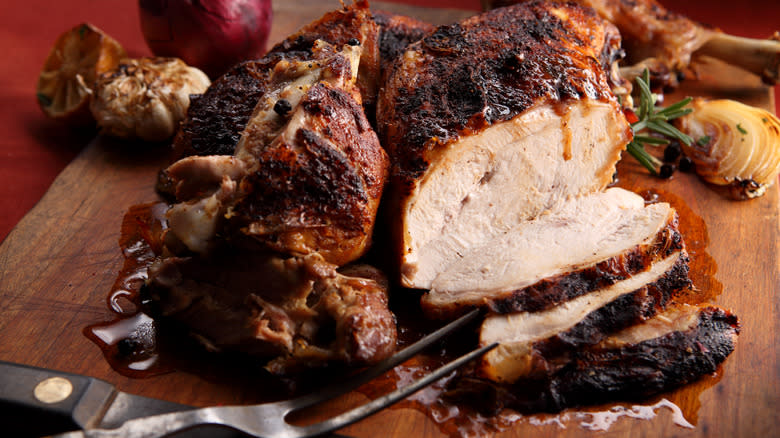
<point x="674" y="348"/>
<point x="504" y="134"/>
<point x="491" y="122"/>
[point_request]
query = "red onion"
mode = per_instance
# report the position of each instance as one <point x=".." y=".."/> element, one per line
<point x="212" y="35"/>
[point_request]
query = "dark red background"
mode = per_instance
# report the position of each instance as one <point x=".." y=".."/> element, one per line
<point x="34" y="150"/>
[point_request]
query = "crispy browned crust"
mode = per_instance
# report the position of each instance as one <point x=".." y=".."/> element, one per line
<point x="555" y="290"/>
<point x="319" y="190"/>
<point x="397" y="32"/>
<point x="215" y="119"/>
<point x="605" y="375"/>
<point x="551" y="354"/>
<point x="487" y="69"/>
<point x="649" y="31"/>
<point x="338" y="28"/>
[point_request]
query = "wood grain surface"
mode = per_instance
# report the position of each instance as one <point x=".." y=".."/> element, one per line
<point x="59" y="263"/>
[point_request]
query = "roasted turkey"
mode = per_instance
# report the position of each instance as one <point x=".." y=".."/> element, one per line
<point x="504" y="132"/>
<point x="500" y="135"/>
<point x="665" y="42"/>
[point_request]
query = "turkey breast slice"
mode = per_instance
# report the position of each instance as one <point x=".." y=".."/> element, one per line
<point x="534" y="344"/>
<point x="586" y="243"/>
<point x="494" y="180"/>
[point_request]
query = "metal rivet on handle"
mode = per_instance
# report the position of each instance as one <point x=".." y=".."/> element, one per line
<point x="53" y="390"/>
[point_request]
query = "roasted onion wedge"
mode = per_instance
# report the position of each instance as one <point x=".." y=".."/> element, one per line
<point x="735" y="145"/>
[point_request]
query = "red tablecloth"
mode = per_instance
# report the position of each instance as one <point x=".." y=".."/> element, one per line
<point x="34" y="150"/>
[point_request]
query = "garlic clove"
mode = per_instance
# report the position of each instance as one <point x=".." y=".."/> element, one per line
<point x="146" y="98"/>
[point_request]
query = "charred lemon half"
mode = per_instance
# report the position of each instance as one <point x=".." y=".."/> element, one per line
<point x="66" y="80"/>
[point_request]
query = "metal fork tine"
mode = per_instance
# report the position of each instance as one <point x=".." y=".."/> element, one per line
<point x="339" y="388"/>
<point x="269" y="419"/>
<point x="399" y="394"/>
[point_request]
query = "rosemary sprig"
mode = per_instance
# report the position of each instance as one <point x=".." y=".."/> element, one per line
<point x="654" y="119"/>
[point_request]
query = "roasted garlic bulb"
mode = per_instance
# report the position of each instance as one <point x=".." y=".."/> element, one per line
<point x="734" y="145"/>
<point x="146" y="98"/>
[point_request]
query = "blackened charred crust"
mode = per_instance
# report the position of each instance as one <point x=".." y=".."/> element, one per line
<point x="625" y="311"/>
<point x="397" y="32"/>
<point x="628" y="373"/>
<point x="338" y="28"/>
<point x="216" y="118"/>
<point x="316" y="184"/>
<point x="488" y="69"/>
<point x="647" y="368"/>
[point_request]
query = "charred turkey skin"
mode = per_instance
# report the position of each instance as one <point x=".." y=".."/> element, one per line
<point x="216" y="118"/>
<point x="625" y="371"/>
<point x="318" y="189"/>
<point x="397" y="32"/>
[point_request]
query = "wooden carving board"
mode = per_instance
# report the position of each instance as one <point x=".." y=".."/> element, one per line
<point x="59" y="263"/>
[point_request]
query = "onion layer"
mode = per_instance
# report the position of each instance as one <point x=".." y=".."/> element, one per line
<point x="734" y="145"/>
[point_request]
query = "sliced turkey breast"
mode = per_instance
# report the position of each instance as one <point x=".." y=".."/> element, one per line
<point x="534" y="344"/>
<point x="675" y="348"/>
<point x="493" y="120"/>
<point x="586" y="243"/>
<point x="501" y="177"/>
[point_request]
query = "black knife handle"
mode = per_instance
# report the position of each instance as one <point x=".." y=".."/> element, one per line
<point x="37" y="402"/>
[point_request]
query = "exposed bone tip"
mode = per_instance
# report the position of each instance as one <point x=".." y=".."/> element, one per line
<point x="761" y="57"/>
